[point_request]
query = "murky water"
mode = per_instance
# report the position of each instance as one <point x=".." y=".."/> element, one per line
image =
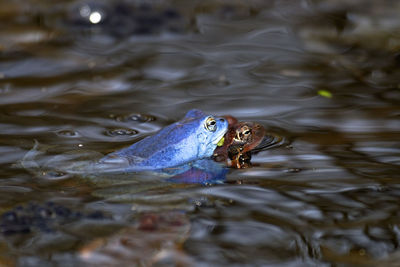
<point x="86" y="78"/>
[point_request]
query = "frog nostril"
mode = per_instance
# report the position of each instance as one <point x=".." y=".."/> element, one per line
<point x="222" y="120"/>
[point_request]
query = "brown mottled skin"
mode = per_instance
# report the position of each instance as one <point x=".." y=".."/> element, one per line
<point x="240" y="139"/>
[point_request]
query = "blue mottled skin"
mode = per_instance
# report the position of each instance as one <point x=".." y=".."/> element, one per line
<point x="187" y="140"/>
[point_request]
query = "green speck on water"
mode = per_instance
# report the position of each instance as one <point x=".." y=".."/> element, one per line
<point x="325" y="93"/>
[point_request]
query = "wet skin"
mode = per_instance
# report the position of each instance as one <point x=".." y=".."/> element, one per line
<point x="240" y="139"/>
<point x="192" y="138"/>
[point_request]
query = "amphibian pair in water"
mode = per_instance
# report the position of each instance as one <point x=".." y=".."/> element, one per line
<point x="195" y="137"/>
<point x="190" y="150"/>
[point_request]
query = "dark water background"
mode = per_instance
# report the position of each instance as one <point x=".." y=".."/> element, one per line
<point x="325" y="75"/>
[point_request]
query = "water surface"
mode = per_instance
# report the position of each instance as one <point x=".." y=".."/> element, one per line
<point x="324" y="75"/>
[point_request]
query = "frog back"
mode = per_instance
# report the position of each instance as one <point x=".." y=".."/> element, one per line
<point x="173" y="145"/>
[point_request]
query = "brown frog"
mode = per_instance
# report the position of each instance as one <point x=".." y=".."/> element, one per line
<point x="240" y="139"/>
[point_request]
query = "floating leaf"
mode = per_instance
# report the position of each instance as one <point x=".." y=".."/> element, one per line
<point x="325" y="93"/>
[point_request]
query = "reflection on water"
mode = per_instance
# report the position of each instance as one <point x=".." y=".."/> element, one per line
<point x="329" y="194"/>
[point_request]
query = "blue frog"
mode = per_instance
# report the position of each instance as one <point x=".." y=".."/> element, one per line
<point x="194" y="137"/>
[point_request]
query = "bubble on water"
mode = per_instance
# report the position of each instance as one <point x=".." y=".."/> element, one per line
<point x="95" y="17"/>
<point x="85" y="11"/>
<point x="67" y="133"/>
<point x="133" y="117"/>
<point x="121" y="132"/>
<point x="55" y="175"/>
<point x="141" y="118"/>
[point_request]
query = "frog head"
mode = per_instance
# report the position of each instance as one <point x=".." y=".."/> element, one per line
<point x="204" y="131"/>
<point x="240" y="140"/>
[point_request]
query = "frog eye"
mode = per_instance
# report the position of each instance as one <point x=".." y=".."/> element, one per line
<point x="211" y="124"/>
<point x="243" y="134"/>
